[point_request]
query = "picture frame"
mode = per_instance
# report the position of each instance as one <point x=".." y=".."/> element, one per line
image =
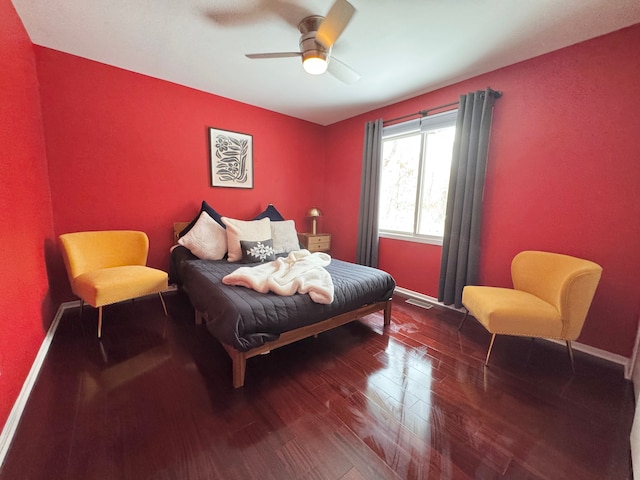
<point x="231" y="158"/>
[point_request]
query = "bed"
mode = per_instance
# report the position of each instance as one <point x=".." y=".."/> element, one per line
<point x="248" y="323"/>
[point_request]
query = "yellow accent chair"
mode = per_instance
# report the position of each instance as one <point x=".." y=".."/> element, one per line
<point x="550" y="298"/>
<point x="106" y="267"/>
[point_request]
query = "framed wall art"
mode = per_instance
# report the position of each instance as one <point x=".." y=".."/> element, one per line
<point x="231" y="159"/>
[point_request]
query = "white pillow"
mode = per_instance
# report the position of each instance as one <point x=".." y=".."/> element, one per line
<point x="207" y="239"/>
<point x="252" y="230"/>
<point x="284" y="236"/>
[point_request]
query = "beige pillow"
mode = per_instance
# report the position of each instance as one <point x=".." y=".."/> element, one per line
<point x="284" y="236"/>
<point x="207" y="239"/>
<point x="252" y="230"/>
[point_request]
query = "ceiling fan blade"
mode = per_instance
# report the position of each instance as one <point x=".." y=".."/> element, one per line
<point x="232" y="15"/>
<point x="273" y="55"/>
<point x="342" y="71"/>
<point x="334" y="23"/>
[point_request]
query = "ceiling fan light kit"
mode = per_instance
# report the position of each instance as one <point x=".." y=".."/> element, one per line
<point x="314" y="65"/>
<point x="318" y="34"/>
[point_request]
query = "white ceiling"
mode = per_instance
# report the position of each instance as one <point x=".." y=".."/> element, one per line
<point x="401" y="48"/>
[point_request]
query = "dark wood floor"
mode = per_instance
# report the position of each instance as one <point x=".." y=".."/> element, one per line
<point x="355" y="403"/>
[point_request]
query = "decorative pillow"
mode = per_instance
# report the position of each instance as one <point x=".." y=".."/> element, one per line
<point x="271" y="213"/>
<point x="205" y="207"/>
<point x="260" y="251"/>
<point x="285" y="236"/>
<point x="206" y="240"/>
<point x="254" y="230"/>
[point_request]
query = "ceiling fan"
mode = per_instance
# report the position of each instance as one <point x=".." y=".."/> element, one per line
<point x="318" y="35"/>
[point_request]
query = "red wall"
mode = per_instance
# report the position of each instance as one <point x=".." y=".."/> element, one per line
<point x="563" y="175"/>
<point x="25" y="208"/>
<point x="130" y="151"/>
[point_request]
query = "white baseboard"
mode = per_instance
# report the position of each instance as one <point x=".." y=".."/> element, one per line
<point x="9" y="429"/>
<point x="581" y="347"/>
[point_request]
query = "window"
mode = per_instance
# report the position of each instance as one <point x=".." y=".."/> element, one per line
<point x="414" y="178"/>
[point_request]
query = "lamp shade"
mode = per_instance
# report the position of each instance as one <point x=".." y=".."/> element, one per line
<point x="314" y="212"/>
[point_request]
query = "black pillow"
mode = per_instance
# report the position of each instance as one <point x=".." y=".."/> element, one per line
<point x="257" y="252"/>
<point x="205" y="207"/>
<point x="272" y="213"/>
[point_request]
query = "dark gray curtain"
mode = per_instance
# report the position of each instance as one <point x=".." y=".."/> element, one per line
<point x="461" y="241"/>
<point x="367" y="250"/>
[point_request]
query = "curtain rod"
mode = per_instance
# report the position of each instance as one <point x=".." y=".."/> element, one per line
<point x="424" y="113"/>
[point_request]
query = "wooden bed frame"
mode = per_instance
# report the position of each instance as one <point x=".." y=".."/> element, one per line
<point x="239" y="359"/>
<point x="177" y="228"/>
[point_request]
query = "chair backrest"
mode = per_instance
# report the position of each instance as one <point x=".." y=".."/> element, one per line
<point x="566" y="282"/>
<point x="89" y="251"/>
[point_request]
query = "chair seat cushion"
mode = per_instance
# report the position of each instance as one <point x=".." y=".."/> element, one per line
<point x="111" y="285"/>
<point x="512" y="312"/>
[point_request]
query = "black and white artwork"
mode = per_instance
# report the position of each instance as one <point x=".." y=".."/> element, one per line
<point x="231" y="159"/>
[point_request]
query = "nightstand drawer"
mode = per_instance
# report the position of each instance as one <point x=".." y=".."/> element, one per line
<point x="319" y="246"/>
<point x="320" y="242"/>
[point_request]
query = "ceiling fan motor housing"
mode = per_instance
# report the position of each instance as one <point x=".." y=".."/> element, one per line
<point x="309" y="47"/>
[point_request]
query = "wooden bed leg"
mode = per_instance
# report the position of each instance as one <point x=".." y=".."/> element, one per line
<point x="387" y="313"/>
<point x="239" y="368"/>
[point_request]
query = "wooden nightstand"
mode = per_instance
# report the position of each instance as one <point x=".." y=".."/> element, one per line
<point x="315" y="242"/>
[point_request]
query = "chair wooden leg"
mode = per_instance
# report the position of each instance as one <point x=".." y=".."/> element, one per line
<point x="573" y="367"/>
<point x="99" y="322"/>
<point x="466" y="314"/>
<point x="486" y="362"/>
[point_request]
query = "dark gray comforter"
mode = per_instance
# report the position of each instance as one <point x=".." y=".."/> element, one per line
<point x="246" y="319"/>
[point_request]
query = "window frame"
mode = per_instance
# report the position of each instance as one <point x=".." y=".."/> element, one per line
<point x="404" y="129"/>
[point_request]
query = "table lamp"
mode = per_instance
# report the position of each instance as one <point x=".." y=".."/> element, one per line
<point x="314" y="213"/>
